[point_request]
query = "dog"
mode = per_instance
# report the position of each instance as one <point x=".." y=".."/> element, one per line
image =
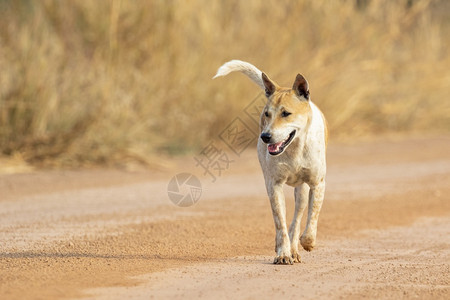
<point x="291" y="150"/>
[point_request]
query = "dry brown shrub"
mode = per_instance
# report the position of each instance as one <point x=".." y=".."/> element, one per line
<point x="89" y="82"/>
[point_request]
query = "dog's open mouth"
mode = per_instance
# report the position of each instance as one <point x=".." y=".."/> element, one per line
<point x="278" y="148"/>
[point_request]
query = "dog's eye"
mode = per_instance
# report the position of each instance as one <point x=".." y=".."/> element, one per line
<point x="266" y="114"/>
<point x="284" y="114"/>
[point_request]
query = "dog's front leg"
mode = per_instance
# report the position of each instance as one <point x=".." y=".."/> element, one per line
<point x="283" y="245"/>
<point x="301" y="199"/>
<point x="316" y="194"/>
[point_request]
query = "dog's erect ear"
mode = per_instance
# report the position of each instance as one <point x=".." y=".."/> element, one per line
<point x="301" y="87"/>
<point x="269" y="85"/>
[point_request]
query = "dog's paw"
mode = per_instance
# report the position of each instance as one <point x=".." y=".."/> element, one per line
<point x="283" y="260"/>
<point x="308" y="242"/>
<point x="296" y="257"/>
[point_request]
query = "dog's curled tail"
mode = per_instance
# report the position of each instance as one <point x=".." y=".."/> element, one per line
<point x="248" y="69"/>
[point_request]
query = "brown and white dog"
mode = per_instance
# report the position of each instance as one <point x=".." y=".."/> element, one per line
<point x="291" y="150"/>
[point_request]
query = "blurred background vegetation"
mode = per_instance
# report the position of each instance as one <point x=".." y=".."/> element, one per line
<point x="108" y="82"/>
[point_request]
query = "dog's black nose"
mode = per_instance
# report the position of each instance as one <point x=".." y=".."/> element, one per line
<point x="265" y="136"/>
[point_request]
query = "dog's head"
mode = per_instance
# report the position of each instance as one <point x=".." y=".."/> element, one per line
<point x="286" y="115"/>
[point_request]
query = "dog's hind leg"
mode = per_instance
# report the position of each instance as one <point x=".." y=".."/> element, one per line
<point x="301" y="199"/>
<point x="316" y="194"/>
<point x="283" y="245"/>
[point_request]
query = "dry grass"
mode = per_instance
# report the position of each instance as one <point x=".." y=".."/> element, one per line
<point x="88" y="82"/>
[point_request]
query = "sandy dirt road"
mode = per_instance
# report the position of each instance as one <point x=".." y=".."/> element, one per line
<point x="384" y="231"/>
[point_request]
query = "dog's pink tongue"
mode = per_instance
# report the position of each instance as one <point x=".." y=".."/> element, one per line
<point x="274" y="147"/>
